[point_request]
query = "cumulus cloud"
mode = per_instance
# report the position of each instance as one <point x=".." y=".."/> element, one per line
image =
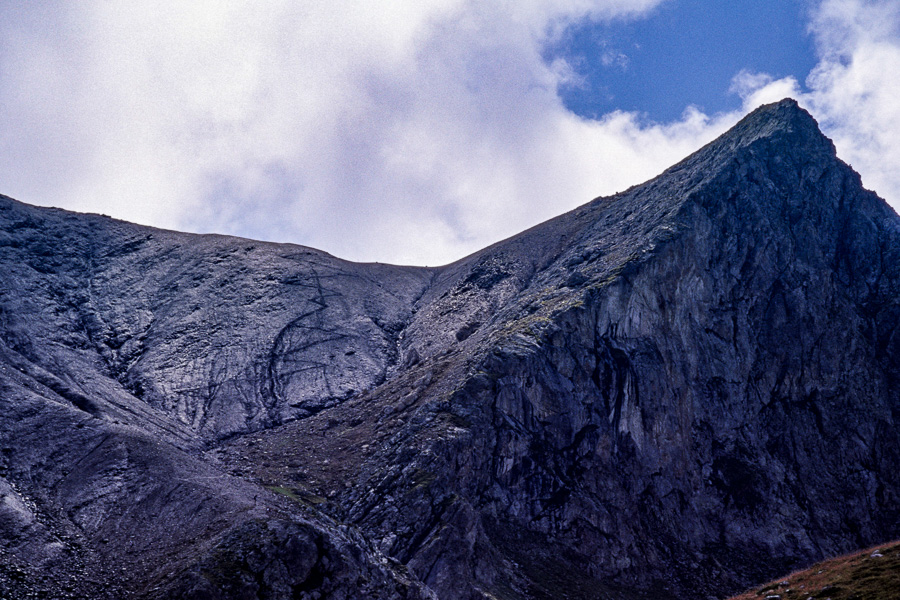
<point x="408" y="131"/>
<point x="856" y="90"/>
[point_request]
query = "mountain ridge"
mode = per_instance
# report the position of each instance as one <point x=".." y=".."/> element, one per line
<point x="690" y="385"/>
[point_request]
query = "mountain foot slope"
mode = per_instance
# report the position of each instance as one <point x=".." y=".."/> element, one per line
<point x="677" y="391"/>
<point x="873" y="574"/>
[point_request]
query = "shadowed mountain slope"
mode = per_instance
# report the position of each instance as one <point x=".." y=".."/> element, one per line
<point x="676" y="391"/>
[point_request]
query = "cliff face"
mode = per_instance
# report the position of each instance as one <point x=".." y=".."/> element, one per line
<point x="682" y="389"/>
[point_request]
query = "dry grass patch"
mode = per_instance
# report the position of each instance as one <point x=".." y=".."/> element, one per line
<point x="872" y="574"/>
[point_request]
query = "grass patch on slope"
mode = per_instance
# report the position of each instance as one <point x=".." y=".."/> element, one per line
<point x="872" y="574"/>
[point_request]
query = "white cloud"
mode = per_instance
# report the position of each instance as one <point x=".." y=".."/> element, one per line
<point x="856" y="89"/>
<point x="761" y="88"/>
<point x="407" y="131"/>
<point x="611" y="57"/>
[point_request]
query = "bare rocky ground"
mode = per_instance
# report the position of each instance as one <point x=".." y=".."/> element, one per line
<point x="678" y="391"/>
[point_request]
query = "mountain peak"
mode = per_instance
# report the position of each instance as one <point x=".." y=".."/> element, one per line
<point x="777" y="142"/>
<point x="785" y="120"/>
<point x="674" y="391"/>
<point x="786" y="109"/>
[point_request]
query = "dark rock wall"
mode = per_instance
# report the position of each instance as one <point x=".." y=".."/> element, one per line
<point x="720" y="410"/>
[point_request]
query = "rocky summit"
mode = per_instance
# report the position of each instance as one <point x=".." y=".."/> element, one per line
<point x="679" y="391"/>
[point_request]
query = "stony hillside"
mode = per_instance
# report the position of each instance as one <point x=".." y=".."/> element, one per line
<point x="678" y="391"/>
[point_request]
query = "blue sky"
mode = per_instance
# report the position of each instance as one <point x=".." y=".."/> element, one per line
<point x="685" y="52"/>
<point x="414" y="131"/>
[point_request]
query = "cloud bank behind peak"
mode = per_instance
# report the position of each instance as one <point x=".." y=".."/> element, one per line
<point x="407" y="132"/>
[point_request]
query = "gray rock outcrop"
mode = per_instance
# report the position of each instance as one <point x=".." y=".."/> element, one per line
<point x="677" y="391"/>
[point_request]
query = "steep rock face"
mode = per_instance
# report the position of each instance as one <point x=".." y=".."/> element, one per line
<point x="679" y="390"/>
<point x="698" y="388"/>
